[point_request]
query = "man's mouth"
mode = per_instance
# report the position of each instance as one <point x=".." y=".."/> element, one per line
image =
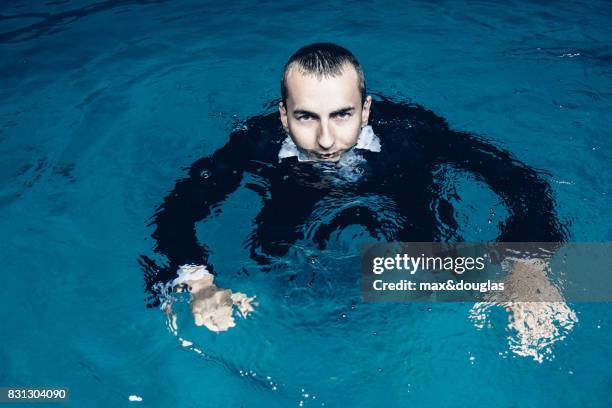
<point x="328" y="156"/>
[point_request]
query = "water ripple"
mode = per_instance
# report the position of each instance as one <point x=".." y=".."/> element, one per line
<point x="52" y="23"/>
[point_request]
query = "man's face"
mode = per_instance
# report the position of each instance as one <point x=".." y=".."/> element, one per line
<point x="324" y="115"/>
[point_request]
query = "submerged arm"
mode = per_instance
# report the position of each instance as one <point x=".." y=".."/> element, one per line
<point x="538" y="315"/>
<point x="210" y="180"/>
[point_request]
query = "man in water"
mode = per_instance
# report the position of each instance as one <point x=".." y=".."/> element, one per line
<point x="324" y="147"/>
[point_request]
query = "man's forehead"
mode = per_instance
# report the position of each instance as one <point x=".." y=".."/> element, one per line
<point x="305" y="88"/>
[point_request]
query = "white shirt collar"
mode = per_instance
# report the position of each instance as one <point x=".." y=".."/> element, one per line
<point x="367" y="140"/>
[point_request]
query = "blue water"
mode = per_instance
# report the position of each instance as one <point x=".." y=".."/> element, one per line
<point x="103" y="106"/>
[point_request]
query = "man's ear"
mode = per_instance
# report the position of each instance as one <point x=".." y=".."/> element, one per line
<point x="365" y="112"/>
<point x="283" y="115"/>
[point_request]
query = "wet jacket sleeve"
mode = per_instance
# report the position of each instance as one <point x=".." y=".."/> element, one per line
<point x="528" y="197"/>
<point x="209" y="181"/>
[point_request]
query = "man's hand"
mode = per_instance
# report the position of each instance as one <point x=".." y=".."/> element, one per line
<point x="537" y="326"/>
<point x="211" y="306"/>
<point x="538" y="323"/>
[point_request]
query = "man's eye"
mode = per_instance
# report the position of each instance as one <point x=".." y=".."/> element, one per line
<point x="344" y="115"/>
<point x="304" y="117"/>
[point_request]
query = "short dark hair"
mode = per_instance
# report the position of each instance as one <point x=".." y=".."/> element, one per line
<point x="323" y="60"/>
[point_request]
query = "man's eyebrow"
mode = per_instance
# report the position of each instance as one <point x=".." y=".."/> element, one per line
<point x="340" y="111"/>
<point x="304" y="112"/>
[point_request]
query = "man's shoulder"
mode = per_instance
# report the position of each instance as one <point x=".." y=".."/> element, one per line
<point x="386" y="113"/>
<point x="260" y="131"/>
<point x="257" y="138"/>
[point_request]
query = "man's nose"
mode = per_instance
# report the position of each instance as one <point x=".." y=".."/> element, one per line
<point x="325" y="138"/>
